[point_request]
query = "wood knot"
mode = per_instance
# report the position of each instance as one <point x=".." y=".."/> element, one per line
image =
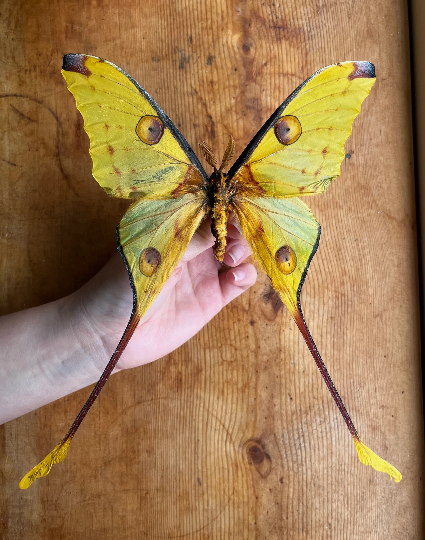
<point x="255" y="454"/>
<point x="271" y="298"/>
<point x="257" y="457"/>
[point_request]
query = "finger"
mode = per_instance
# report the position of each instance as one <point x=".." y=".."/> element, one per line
<point x="233" y="227"/>
<point x="236" y="280"/>
<point x="233" y="232"/>
<point x="201" y="241"/>
<point x="236" y="252"/>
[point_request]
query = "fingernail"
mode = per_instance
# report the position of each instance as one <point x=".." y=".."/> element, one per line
<point x="236" y="253"/>
<point x="239" y="274"/>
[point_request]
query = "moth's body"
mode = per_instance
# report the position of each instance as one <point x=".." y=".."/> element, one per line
<point x="220" y="197"/>
<point x="139" y="154"/>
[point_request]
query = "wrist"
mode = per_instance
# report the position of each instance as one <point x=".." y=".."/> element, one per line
<point x="43" y="358"/>
<point x="79" y="346"/>
<point x="98" y="314"/>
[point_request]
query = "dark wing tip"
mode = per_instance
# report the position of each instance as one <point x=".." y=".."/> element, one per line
<point x="76" y="63"/>
<point x="362" y="70"/>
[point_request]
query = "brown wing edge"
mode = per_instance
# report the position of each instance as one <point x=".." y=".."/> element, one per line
<point x="304" y="275"/>
<point x="130" y="275"/>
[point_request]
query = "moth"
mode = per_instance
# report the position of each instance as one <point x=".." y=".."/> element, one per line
<point x="139" y="154"/>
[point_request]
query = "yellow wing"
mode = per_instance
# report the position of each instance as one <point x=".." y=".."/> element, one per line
<point x="284" y="236"/>
<point x="137" y="153"/>
<point x="136" y="150"/>
<point x="298" y="152"/>
<point x="153" y="236"/>
<point x="299" y="149"/>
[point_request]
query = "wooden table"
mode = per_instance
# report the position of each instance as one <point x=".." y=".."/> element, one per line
<point x="165" y="451"/>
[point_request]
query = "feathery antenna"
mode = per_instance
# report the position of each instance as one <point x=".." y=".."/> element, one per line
<point x="228" y="153"/>
<point x="209" y="155"/>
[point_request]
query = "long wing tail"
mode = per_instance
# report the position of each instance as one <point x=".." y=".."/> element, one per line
<point x="366" y="456"/>
<point x="60" y="451"/>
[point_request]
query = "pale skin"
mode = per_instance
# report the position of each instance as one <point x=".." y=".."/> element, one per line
<point x="52" y="350"/>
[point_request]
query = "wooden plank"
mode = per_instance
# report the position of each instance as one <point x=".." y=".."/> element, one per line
<point x="165" y="452"/>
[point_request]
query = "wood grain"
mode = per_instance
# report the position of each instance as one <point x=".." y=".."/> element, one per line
<point x="233" y="436"/>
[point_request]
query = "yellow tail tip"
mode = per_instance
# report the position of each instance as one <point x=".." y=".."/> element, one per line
<point x="43" y="468"/>
<point x="367" y="457"/>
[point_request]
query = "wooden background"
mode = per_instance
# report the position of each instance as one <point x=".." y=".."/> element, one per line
<point x="164" y="453"/>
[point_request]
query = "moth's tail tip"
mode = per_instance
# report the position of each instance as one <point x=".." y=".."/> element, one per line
<point x="367" y="457"/>
<point x="43" y="468"/>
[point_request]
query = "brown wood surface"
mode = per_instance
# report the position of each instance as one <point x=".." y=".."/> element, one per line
<point x="165" y="451"/>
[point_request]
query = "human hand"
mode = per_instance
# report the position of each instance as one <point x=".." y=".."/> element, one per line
<point x="196" y="291"/>
<point x="60" y="347"/>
